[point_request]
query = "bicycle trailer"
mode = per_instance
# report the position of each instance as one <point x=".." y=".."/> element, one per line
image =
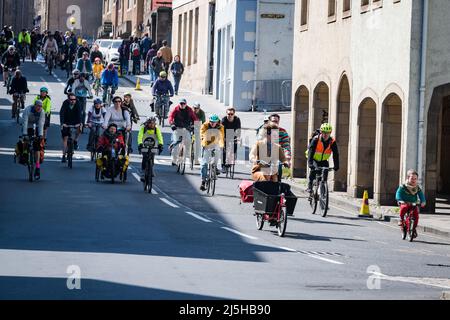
<point x="266" y="196"/>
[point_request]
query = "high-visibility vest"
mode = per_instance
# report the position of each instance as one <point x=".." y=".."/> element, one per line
<point x="322" y="154"/>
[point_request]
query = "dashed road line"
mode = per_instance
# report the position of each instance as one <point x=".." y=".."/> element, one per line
<point x="196" y="216"/>
<point x="168" y="203"/>
<point x="239" y="233"/>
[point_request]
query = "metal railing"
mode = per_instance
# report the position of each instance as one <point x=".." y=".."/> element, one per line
<point x="270" y="94"/>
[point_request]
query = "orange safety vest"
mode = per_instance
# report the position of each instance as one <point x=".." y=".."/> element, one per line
<point x="321" y="153"/>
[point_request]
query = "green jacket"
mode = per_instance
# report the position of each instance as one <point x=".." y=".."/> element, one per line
<point x="46" y="104"/>
<point x="27" y="38"/>
<point x="143" y="133"/>
<point x="404" y="195"/>
<point x="201" y="115"/>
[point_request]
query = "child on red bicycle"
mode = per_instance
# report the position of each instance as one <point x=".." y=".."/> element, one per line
<point x="409" y="193"/>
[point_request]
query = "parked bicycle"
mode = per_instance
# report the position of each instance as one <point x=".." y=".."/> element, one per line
<point x="319" y="194"/>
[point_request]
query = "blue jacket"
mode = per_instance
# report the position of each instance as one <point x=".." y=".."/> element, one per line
<point x="88" y="65"/>
<point x="162" y="87"/>
<point x="110" y="78"/>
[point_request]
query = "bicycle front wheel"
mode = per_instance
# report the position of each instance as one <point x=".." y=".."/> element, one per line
<point x="212" y="180"/>
<point x="323" y="198"/>
<point x="282" y="223"/>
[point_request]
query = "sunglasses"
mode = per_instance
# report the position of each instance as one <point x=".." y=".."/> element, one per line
<point x="182" y="103"/>
<point x="73" y="99"/>
<point x="230" y="114"/>
<point x="117" y="101"/>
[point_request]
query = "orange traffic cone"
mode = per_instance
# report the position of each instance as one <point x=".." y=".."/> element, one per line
<point x="365" y="210"/>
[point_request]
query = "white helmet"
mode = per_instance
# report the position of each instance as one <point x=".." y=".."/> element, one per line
<point x="11" y="48"/>
<point x="76" y="71"/>
<point x="196" y="105"/>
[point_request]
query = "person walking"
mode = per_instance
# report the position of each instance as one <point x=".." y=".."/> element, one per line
<point x="166" y="52"/>
<point x="148" y="63"/>
<point x="177" y="70"/>
<point x="135" y="51"/>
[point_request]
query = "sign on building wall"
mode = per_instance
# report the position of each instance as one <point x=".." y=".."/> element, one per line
<point x="272" y="16"/>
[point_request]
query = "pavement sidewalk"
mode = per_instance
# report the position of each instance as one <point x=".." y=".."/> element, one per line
<point x="438" y="224"/>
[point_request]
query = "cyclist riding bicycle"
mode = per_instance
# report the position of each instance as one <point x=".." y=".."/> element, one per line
<point x="97" y="68"/>
<point x="70" y="115"/>
<point x="96" y="117"/>
<point x="10" y="60"/>
<point x="35" y="115"/>
<point x="213" y="138"/>
<point x="50" y="47"/>
<point x="110" y="139"/>
<point x="24" y="40"/>
<point x="82" y="89"/>
<point x="18" y="87"/>
<point x="110" y="78"/>
<point x="266" y="153"/>
<point x="232" y="127"/>
<point x="84" y="65"/>
<point x="75" y="75"/>
<point x="47" y="106"/>
<point x="149" y="129"/>
<point x="162" y="86"/>
<point x="119" y="116"/>
<point x="410" y="193"/>
<point x="319" y="151"/>
<point x="181" y="118"/>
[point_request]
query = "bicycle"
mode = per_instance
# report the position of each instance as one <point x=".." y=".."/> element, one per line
<point x="161" y="108"/>
<point x="149" y="151"/>
<point x="18" y="105"/>
<point x="229" y="167"/>
<point x="273" y="201"/>
<point x="30" y="156"/>
<point x="319" y="194"/>
<point x="11" y="72"/>
<point x="96" y="133"/>
<point x="97" y="86"/>
<point x="70" y="145"/>
<point x="408" y="222"/>
<point x="192" y="155"/>
<point x="211" y="176"/>
<point x="50" y="62"/>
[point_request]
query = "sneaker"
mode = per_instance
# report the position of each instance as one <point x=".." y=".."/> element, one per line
<point x="63" y="160"/>
<point x="217" y="172"/>
<point x="415" y="234"/>
<point x="142" y="178"/>
<point x="203" y="187"/>
<point x="173" y="164"/>
<point x="224" y="169"/>
<point x="37" y="173"/>
<point x="75" y="145"/>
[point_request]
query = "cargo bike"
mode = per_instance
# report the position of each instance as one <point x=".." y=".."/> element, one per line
<point x="273" y="202"/>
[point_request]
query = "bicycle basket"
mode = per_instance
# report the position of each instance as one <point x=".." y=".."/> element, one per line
<point x="266" y="197"/>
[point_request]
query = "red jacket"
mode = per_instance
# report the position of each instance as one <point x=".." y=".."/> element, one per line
<point x="176" y="117"/>
<point x="104" y="142"/>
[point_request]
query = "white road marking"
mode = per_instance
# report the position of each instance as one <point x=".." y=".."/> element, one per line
<point x="434" y="282"/>
<point x="136" y="176"/>
<point x="310" y="254"/>
<point x="239" y="233"/>
<point x="168" y="202"/>
<point x="324" y="259"/>
<point x="288" y="249"/>
<point x="196" y="216"/>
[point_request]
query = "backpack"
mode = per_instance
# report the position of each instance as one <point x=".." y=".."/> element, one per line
<point x="135" y="50"/>
<point x="316" y="133"/>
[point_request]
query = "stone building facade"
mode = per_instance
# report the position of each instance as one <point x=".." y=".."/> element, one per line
<point x="126" y="16"/>
<point x="378" y="70"/>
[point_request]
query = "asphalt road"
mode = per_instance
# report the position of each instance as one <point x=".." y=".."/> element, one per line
<point x="181" y="244"/>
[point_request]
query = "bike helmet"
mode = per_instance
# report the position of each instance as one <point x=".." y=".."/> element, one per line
<point x="98" y="101"/>
<point x="38" y="103"/>
<point x="151" y="119"/>
<point x="214" y="118"/>
<point x="196" y="105"/>
<point x="127" y="94"/>
<point x="182" y="100"/>
<point x="44" y="89"/>
<point x="11" y="48"/>
<point x="326" y="128"/>
<point x="76" y="72"/>
<point x="97" y="59"/>
<point x="110" y="66"/>
<point x="163" y="74"/>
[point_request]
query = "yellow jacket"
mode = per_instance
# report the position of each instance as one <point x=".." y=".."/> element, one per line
<point x="97" y="70"/>
<point x="212" y="136"/>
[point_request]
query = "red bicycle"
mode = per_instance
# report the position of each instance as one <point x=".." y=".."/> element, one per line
<point x="407" y="226"/>
<point x="273" y="202"/>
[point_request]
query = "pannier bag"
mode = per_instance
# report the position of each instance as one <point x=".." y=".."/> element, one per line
<point x="246" y="191"/>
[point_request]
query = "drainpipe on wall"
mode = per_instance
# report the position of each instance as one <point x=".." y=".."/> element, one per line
<point x="422" y="88"/>
<point x="256" y="53"/>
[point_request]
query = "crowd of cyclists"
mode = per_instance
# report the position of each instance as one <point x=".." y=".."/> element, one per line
<point x="115" y="115"/>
